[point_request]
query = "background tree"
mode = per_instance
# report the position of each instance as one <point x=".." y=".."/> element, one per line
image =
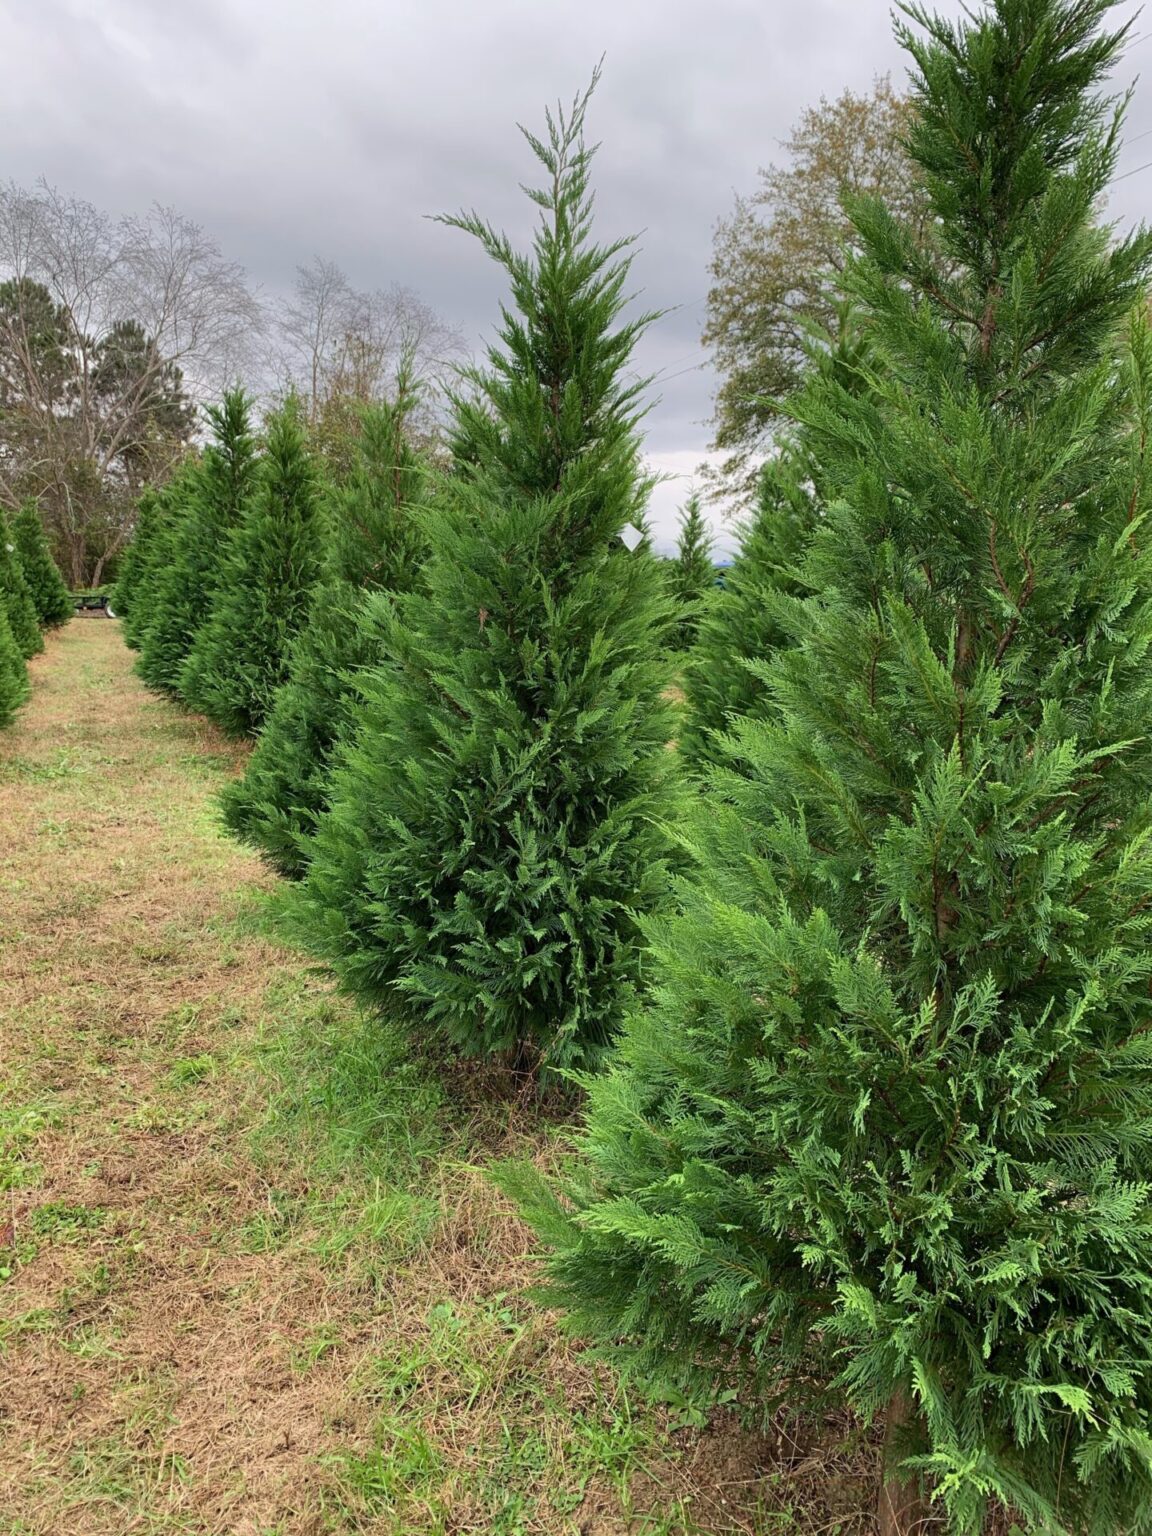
<point x="103" y="323"/>
<point x="16" y="597"/>
<point x="492" y="832"/>
<point x="886" y="1130"/>
<point x="240" y="655"/>
<point x="337" y="348"/>
<point x="777" y="259"/>
<point x="212" y="506"/>
<point x="373" y="543"/>
<point x="49" y="594"/>
<point x="742" y="626"/>
<point x="692" y="574"/>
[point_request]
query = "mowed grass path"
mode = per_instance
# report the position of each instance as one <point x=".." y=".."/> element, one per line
<point x="252" y="1278"/>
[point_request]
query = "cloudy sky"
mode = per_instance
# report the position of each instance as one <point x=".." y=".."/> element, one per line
<point x="292" y="128"/>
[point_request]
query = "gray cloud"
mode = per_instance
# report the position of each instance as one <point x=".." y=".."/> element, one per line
<point x="290" y="128"/>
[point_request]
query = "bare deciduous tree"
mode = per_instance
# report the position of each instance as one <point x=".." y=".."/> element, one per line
<point x="336" y="346"/>
<point x="110" y="329"/>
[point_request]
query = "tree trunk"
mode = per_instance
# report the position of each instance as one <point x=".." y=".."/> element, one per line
<point x="902" y="1509"/>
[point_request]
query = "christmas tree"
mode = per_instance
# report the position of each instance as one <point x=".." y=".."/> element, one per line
<point x="373" y="544"/>
<point x="13" y="672"/>
<point x="49" y="594"/>
<point x="741" y="627"/>
<point x="23" y="621"/>
<point x="239" y="657"/>
<point x="157" y="514"/>
<point x="692" y="576"/>
<point x="214" y="500"/>
<point x="885" y="1132"/>
<point x="494" y="830"/>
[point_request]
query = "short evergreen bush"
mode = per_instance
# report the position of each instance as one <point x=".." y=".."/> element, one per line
<point x="13" y="672"/>
<point x="49" y="593"/>
<point x="23" y="621"/>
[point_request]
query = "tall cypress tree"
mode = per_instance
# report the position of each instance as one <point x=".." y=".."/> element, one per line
<point x="214" y="501"/>
<point x="13" y="672"/>
<point x="158" y="514"/>
<point x="886" y="1129"/>
<point x="742" y="626"/>
<point x="493" y="832"/>
<point x="373" y="543"/>
<point x="239" y="657"/>
<point x="692" y="575"/>
<point x="15" y="595"/>
<point x="49" y="593"/>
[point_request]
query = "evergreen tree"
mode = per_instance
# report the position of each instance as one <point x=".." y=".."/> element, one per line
<point x="886" y="1129"/>
<point x="50" y="596"/>
<point x="373" y="544"/>
<point x="493" y="832"/>
<point x="13" y="672"/>
<point x="131" y="596"/>
<point x="693" y="575"/>
<point x="15" y="596"/>
<point x="239" y="657"/>
<point x="741" y="627"/>
<point x="214" y="501"/>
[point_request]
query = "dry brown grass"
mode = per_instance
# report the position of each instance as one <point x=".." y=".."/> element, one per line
<point x="220" y="1312"/>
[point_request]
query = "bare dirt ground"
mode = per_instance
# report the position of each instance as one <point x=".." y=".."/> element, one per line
<point x="243" y="1288"/>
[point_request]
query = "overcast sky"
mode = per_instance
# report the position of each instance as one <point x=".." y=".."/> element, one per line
<point x="294" y="128"/>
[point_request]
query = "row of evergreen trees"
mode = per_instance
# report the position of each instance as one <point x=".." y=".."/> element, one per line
<point x="33" y="598"/>
<point x="864" y="961"/>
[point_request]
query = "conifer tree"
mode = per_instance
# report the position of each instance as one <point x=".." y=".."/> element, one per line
<point x="493" y="832"/>
<point x="374" y="543"/>
<point x="214" y="499"/>
<point x="146" y="557"/>
<point x="693" y="575"/>
<point x="740" y="628"/>
<point x="239" y="657"/>
<point x="50" y="596"/>
<point x="13" y="672"/>
<point x="15" y="596"/>
<point x="885" y="1131"/>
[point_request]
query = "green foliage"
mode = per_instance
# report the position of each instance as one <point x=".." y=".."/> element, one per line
<point x="214" y="499"/>
<point x="692" y="576"/>
<point x="886" y="1131"/>
<point x="15" y="595"/>
<point x="493" y="829"/>
<point x="373" y="543"/>
<point x="239" y="657"/>
<point x="45" y="583"/>
<point x="740" y="627"/>
<point x="13" y="672"/>
<point x="143" y="559"/>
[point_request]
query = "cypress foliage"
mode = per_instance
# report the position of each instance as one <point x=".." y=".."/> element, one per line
<point x="50" y="595"/>
<point x="373" y="544"/>
<point x="493" y="830"/>
<point x="693" y="576"/>
<point x="239" y="657"/>
<point x="146" y="557"/>
<point x="23" y="621"/>
<point x="886" y="1129"/>
<point x="740" y="627"/>
<point x="13" y="672"/>
<point x="214" y="498"/>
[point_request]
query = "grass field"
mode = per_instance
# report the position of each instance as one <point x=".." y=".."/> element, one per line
<point x="252" y="1277"/>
